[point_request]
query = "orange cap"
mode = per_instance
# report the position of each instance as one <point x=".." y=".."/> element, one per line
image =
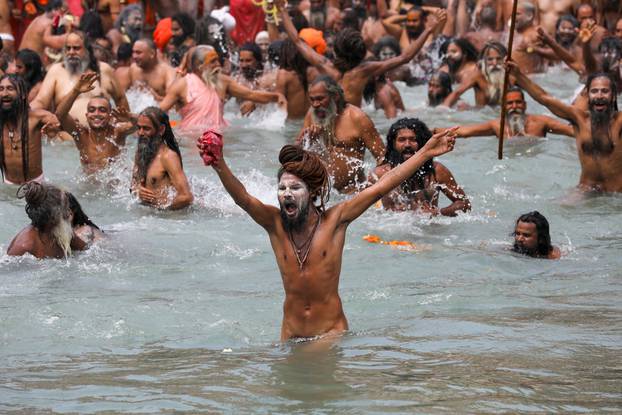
<point x="163" y="32"/>
<point x="314" y="38"/>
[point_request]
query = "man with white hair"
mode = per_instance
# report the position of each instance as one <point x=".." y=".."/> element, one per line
<point x="523" y="51"/>
<point x="491" y="65"/>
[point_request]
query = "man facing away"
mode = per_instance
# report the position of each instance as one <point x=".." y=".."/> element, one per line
<point x="159" y="177"/>
<point x="308" y="238"/>
<point x="597" y="131"/>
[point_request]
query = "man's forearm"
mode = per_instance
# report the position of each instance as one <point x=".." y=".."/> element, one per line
<point x="231" y="183"/>
<point x="458" y="205"/>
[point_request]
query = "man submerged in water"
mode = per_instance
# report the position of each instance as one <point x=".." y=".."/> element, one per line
<point x="308" y="238"/>
<point x="532" y="238"/>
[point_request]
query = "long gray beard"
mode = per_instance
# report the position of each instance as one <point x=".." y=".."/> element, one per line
<point x="74" y="67"/>
<point x="145" y="153"/>
<point x="327" y="123"/>
<point x="211" y="77"/>
<point x="63" y="234"/>
<point x="516" y="123"/>
<point x="495" y="80"/>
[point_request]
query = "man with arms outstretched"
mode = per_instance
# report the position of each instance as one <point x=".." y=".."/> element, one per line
<point x="597" y="131"/>
<point x="307" y="238"/>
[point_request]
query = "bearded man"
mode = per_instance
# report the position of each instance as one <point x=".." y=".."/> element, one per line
<point x="340" y="133"/>
<point x="61" y="78"/>
<point x="420" y="192"/>
<point x="532" y="237"/>
<point x="128" y="28"/>
<point x="597" y="131"/>
<point x="518" y="123"/>
<point x="50" y="233"/>
<point x="526" y="36"/>
<point x="100" y="141"/>
<point x="20" y="152"/>
<point x="491" y="65"/>
<point x="486" y="23"/>
<point x="306" y="236"/>
<point x="199" y="96"/>
<point x="159" y="178"/>
<point x="251" y="74"/>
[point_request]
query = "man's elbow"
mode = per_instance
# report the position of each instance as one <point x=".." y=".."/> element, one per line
<point x="184" y="200"/>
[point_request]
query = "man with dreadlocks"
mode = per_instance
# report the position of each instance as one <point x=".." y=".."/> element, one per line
<point x="420" y="191"/>
<point x="348" y="68"/>
<point x="158" y="165"/>
<point x="20" y="152"/>
<point x="597" y="131"/>
<point x="61" y="77"/>
<point x="50" y="233"/>
<point x="306" y="236"/>
<point x="340" y="133"/>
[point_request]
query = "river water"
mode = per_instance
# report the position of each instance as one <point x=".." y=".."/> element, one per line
<point x="181" y="311"/>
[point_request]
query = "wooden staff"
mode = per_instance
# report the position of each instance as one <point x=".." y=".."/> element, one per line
<point x="506" y="80"/>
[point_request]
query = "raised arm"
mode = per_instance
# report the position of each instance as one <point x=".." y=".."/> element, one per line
<point x="561" y="53"/>
<point x="85" y="84"/>
<point x="263" y="97"/>
<point x="556" y="106"/>
<point x="53" y="41"/>
<point x="585" y="38"/>
<point x="392" y="24"/>
<point x="440" y="143"/>
<point x="558" y="127"/>
<point x="477" y="130"/>
<point x="371" y="138"/>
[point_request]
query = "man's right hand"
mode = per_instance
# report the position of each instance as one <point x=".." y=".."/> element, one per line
<point x="440" y="143"/>
<point x="210" y="146"/>
<point x="86" y="82"/>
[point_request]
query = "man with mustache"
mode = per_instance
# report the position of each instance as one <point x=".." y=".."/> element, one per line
<point x="566" y="46"/>
<point x="532" y="237"/>
<point x="306" y="236"/>
<point x="50" y="233"/>
<point x="251" y="74"/>
<point x="518" y="123"/>
<point x="460" y="63"/>
<point x="147" y="71"/>
<point x="597" y="130"/>
<point x="100" y="141"/>
<point x="200" y="95"/>
<point x="419" y="192"/>
<point x="20" y="152"/>
<point x="340" y="133"/>
<point x="128" y="28"/>
<point x="158" y="177"/>
<point x="61" y="77"/>
<point x="525" y="37"/>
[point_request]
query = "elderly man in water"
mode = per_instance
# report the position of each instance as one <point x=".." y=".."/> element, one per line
<point x="306" y="236"/>
<point x="340" y="133"/>
<point x="159" y="178"/>
<point x="532" y="237"/>
<point x="50" y="233"/>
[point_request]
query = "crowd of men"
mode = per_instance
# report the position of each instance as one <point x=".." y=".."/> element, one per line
<point x="67" y="66"/>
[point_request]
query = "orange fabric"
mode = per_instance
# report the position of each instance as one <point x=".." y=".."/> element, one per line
<point x="163" y="33"/>
<point x="314" y="38"/>
<point x="249" y="20"/>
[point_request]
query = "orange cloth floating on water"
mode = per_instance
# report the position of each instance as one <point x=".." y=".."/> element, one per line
<point x="405" y="245"/>
<point x="314" y="38"/>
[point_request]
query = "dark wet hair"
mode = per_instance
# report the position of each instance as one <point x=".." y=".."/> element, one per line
<point x="44" y="203"/>
<point x="542" y="228"/>
<point x="445" y="80"/>
<point x="158" y="118"/>
<point x="291" y="60"/>
<point x="309" y="168"/>
<point x="566" y="18"/>
<point x="274" y="51"/>
<point x="52" y="5"/>
<point x="351" y="19"/>
<point x="298" y="19"/>
<point x="394" y="158"/>
<point x="79" y="217"/>
<point x="124" y="52"/>
<point x="91" y="25"/>
<point x="468" y="50"/>
<point x="254" y="49"/>
<point x="186" y="22"/>
<point x="614" y="88"/>
<point x="383" y="42"/>
<point x="33" y="65"/>
<point x="349" y="49"/>
<point x="21" y="120"/>
<point x="334" y="90"/>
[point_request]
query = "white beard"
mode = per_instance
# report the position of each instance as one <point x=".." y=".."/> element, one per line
<point x="516" y="122"/>
<point x="495" y="85"/>
<point x="328" y="120"/>
<point x="211" y="77"/>
<point x="75" y="69"/>
<point x="63" y="234"/>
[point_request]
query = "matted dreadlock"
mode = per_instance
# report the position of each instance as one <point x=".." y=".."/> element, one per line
<point x="309" y="168"/>
<point x="21" y="120"/>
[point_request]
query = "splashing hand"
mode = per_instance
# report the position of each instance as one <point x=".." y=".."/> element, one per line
<point x="210" y="146"/>
<point x="86" y="82"/>
<point x="441" y="143"/>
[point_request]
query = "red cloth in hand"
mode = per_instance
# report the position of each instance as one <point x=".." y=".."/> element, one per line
<point x="210" y="147"/>
<point x="249" y="20"/>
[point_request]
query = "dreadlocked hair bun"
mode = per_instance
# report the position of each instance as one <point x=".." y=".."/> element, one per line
<point x="309" y="168"/>
<point x="33" y="192"/>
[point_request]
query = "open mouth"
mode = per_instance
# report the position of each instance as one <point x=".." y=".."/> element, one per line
<point x="406" y="154"/>
<point x="290" y="208"/>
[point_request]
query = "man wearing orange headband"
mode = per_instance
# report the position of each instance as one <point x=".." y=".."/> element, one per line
<point x="199" y="96"/>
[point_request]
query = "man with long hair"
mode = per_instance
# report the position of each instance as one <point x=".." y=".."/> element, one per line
<point x="292" y="79"/>
<point x="597" y="131"/>
<point x="340" y="133"/>
<point x="307" y="236"/>
<point x="20" y="152"/>
<point x="419" y="192"/>
<point x="532" y="237"/>
<point x="28" y="65"/>
<point x="159" y="178"/>
<point x="50" y="233"/>
<point x="78" y="58"/>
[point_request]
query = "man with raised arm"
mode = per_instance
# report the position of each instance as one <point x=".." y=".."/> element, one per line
<point x="100" y="141"/>
<point x="308" y="238"/>
<point x="348" y="67"/>
<point x="597" y="130"/>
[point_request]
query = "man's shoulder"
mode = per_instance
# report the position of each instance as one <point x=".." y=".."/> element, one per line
<point x="56" y="69"/>
<point x="24" y="241"/>
<point x="442" y="173"/>
<point x="106" y="69"/>
<point x="354" y="112"/>
<point x="169" y="155"/>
